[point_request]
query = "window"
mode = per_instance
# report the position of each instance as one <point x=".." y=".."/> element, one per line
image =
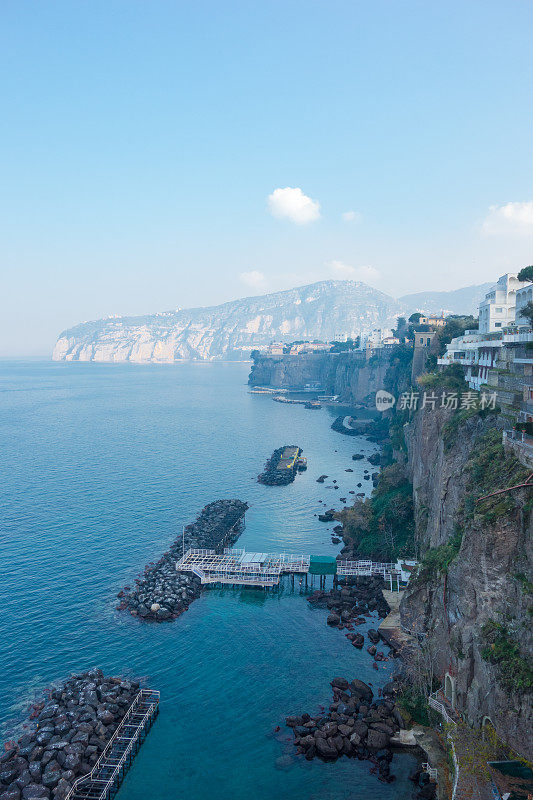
<point x="497" y="324"/>
<point x="499" y="310"/>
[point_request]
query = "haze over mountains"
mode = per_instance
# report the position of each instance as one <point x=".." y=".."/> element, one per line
<point x="322" y="310"/>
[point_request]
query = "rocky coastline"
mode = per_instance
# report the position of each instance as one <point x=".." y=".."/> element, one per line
<point x="350" y="600"/>
<point x="161" y="594"/>
<point x="66" y="734"/>
<point x="360" y="726"/>
<point x="272" y="476"/>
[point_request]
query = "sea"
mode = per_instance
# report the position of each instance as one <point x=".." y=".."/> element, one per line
<point x="101" y="466"/>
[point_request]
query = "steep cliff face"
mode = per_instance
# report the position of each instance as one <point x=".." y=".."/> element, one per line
<point x="471" y="585"/>
<point x="348" y="375"/>
<point x="437" y="464"/>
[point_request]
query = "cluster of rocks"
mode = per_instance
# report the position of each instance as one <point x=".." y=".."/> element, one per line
<point x="426" y="789"/>
<point x="272" y="476"/>
<point x="66" y="735"/>
<point x="351" y="600"/>
<point x="353" y="429"/>
<point x="356" y="726"/>
<point x="162" y="593"/>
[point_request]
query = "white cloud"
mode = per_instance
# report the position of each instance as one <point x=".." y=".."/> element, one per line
<point x="254" y="279"/>
<point x="510" y="218"/>
<point x="345" y="272"/>
<point x="293" y="204"/>
<point x="351" y="216"/>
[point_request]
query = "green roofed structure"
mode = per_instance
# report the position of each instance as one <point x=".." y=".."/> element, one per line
<point x="322" y="565"/>
<point x="512" y="780"/>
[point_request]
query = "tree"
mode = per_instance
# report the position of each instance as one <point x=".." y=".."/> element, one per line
<point x="455" y="326"/>
<point x="526" y="274"/>
<point x="401" y="327"/>
<point x="414" y="319"/>
<point x="349" y="344"/>
<point x="527" y="312"/>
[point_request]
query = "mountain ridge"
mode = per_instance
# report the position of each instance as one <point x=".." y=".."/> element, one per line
<point x="321" y="310"/>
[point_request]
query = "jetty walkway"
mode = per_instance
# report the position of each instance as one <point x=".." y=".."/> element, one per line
<point x="102" y="782"/>
<point x="238" y="567"/>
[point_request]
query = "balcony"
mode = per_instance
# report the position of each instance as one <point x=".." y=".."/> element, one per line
<point x="521" y="335"/>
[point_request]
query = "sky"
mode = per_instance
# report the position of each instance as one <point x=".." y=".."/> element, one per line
<point x="157" y="154"/>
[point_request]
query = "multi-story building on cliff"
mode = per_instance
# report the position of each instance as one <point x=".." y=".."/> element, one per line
<point x="498" y="356"/>
<point x="498" y="309"/>
<point x="480" y="351"/>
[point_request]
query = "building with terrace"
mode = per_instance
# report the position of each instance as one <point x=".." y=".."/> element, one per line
<point x="498" y="309"/>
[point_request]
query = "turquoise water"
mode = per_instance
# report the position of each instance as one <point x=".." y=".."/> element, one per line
<point x="101" y="466"/>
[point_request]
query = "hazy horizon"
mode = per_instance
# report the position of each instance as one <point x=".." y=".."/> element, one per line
<point x="160" y="155"/>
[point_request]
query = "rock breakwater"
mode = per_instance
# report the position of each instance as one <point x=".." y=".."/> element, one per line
<point x="281" y="467"/>
<point x="67" y="733"/>
<point x="161" y="593"/>
<point x="350" y="599"/>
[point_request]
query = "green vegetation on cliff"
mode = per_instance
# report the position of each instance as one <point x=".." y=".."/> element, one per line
<point x="438" y="559"/>
<point x="382" y="527"/>
<point x="490" y="469"/>
<point x="502" y="648"/>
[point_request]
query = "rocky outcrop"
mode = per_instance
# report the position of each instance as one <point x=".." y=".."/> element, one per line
<point x="477" y="568"/>
<point x="350" y="599"/>
<point x="161" y="593"/>
<point x="66" y="734"/>
<point x="357" y="726"/>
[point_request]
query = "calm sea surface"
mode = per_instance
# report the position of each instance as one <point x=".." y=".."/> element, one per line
<point x="100" y="467"/>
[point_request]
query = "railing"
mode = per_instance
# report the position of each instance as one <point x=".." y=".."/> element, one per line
<point x="456" y="768"/>
<point x="431" y="771"/>
<point x="144" y="696"/>
<point x="440" y="707"/>
<point x="519" y="436"/>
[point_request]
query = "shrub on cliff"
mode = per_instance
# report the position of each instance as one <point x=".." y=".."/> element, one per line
<point x="489" y="469"/>
<point x="503" y="650"/>
<point x="438" y="559"/>
<point x="450" y="378"/>
<point x="383" y="526"/>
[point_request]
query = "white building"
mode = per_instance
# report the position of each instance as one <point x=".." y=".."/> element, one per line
<point x="479" y="351"/>
<point x="524" y="295"/>
<point x="376" y="338"/>
<point x="498" y="308"/>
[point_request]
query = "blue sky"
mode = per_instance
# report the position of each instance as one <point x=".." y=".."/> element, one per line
<point x="141" y="141"/>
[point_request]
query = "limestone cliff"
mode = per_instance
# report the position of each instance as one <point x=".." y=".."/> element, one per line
<point x="473" y="598"/>
<point x="348" y="375"/>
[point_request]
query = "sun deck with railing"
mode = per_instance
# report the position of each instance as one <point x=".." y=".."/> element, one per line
<point x="266" y="569"/>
